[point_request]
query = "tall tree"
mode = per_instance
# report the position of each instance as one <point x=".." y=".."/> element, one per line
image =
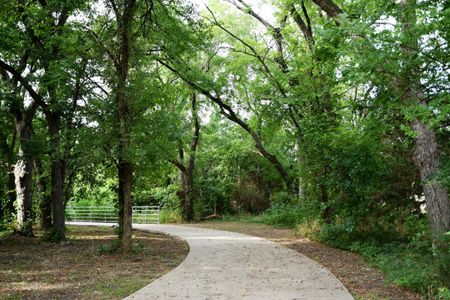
<point x="124" y="12"/>
<point x="23" y="117"/>
<point x="8" y="137"/>
<point x="186" y="167"/>
<point x="426" y="154"/>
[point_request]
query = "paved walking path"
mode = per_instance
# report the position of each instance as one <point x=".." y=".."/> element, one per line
<point x="232" y="266"/>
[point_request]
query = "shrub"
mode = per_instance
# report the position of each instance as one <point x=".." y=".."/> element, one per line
<point x="170" y="215"/>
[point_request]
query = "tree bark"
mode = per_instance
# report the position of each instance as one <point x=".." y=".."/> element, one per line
<point x="426" y="158"/>
<point x="125" y="166"/>
<point x="57" y="180"/>
<point x="186" y="173"/>
<point x="426" y="154"/>
<point x="45" y="200"/>
<point x="8" y="148"/>
<point x="186" y="191"/>
<point x="183" y="187"/>
<point x="125" y="207"/>
<point x="11" y="192"/>
<point x="191" y="164"/>
<point x="329" y="7"/>
<point x="24" y="180"/>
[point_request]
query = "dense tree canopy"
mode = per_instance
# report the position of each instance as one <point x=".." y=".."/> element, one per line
<point x="336" y="111"/>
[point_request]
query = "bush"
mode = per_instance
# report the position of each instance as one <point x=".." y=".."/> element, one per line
<point x="283" y="216"/>
<point x="443" y="294"/>
<point x="411" y="265"/>
<point x="282" y="199"/>
<point x="170" y="215"/>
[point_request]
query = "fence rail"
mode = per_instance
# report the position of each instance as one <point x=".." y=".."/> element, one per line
<point x="141" y="214"/>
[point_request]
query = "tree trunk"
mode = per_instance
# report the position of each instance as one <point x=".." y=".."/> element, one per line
<point x="24" y="181"/>
<point x="120" y="176"/>
<point x="185" y="192"/>
<point x="125" y="167"/>
<point x="126" y="178"/>
<point x="329" y="7"/>
<point x="436" y="195"/>
<point x="125" y="174"/>
<point x="189" y="197"/>
<point x="182" y="182"/>
<point x="11" y="192"/>
<point x="426" y="155"/>
<point x="186" y="173"/>
<point x="57" y="191"/>
<point x="45" y="200"/>
<point x="69" y="177"/>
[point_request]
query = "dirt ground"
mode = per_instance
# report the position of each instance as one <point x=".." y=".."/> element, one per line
<point x="76" y="269"/>
<point x="363" y="281"/>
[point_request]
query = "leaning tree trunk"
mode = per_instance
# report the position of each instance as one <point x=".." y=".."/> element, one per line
<point x="57" y="180"/>
<point x="24" y="181"/>
<point x="45" y="200"/>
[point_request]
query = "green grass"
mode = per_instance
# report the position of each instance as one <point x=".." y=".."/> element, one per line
<point x="120" y="288"/>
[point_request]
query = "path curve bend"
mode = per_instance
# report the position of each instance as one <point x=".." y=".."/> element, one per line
<point x="227" y="265"/>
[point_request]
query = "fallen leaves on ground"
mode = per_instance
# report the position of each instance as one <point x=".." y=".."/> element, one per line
<point x="76" y="269"/>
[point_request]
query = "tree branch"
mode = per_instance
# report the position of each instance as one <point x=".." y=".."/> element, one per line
<point x="177" y="164"/>
<point x="36" y="97"/>
<point x="229" y="113"/>
<point x="328" y="6"/>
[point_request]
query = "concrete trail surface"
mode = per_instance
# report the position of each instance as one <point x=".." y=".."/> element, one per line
<point x="227" y="265"/>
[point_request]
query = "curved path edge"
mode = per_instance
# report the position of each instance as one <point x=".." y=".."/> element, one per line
<point x="228" y="265"/>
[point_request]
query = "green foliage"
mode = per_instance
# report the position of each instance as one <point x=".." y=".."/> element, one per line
<point x="284" y="216"/>
<point x="7" y="227"/>
<point x="170" y="215"/>
<point x="336" y="114"/>
<point x="410" y="265"/>
<point x="443" y="294"/>
<point x="165" y="196"/>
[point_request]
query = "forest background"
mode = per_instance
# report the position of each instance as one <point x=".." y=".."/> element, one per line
<point x="328" y="117"/>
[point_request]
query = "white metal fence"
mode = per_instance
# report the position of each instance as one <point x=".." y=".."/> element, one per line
<point x="141" y="214"/>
